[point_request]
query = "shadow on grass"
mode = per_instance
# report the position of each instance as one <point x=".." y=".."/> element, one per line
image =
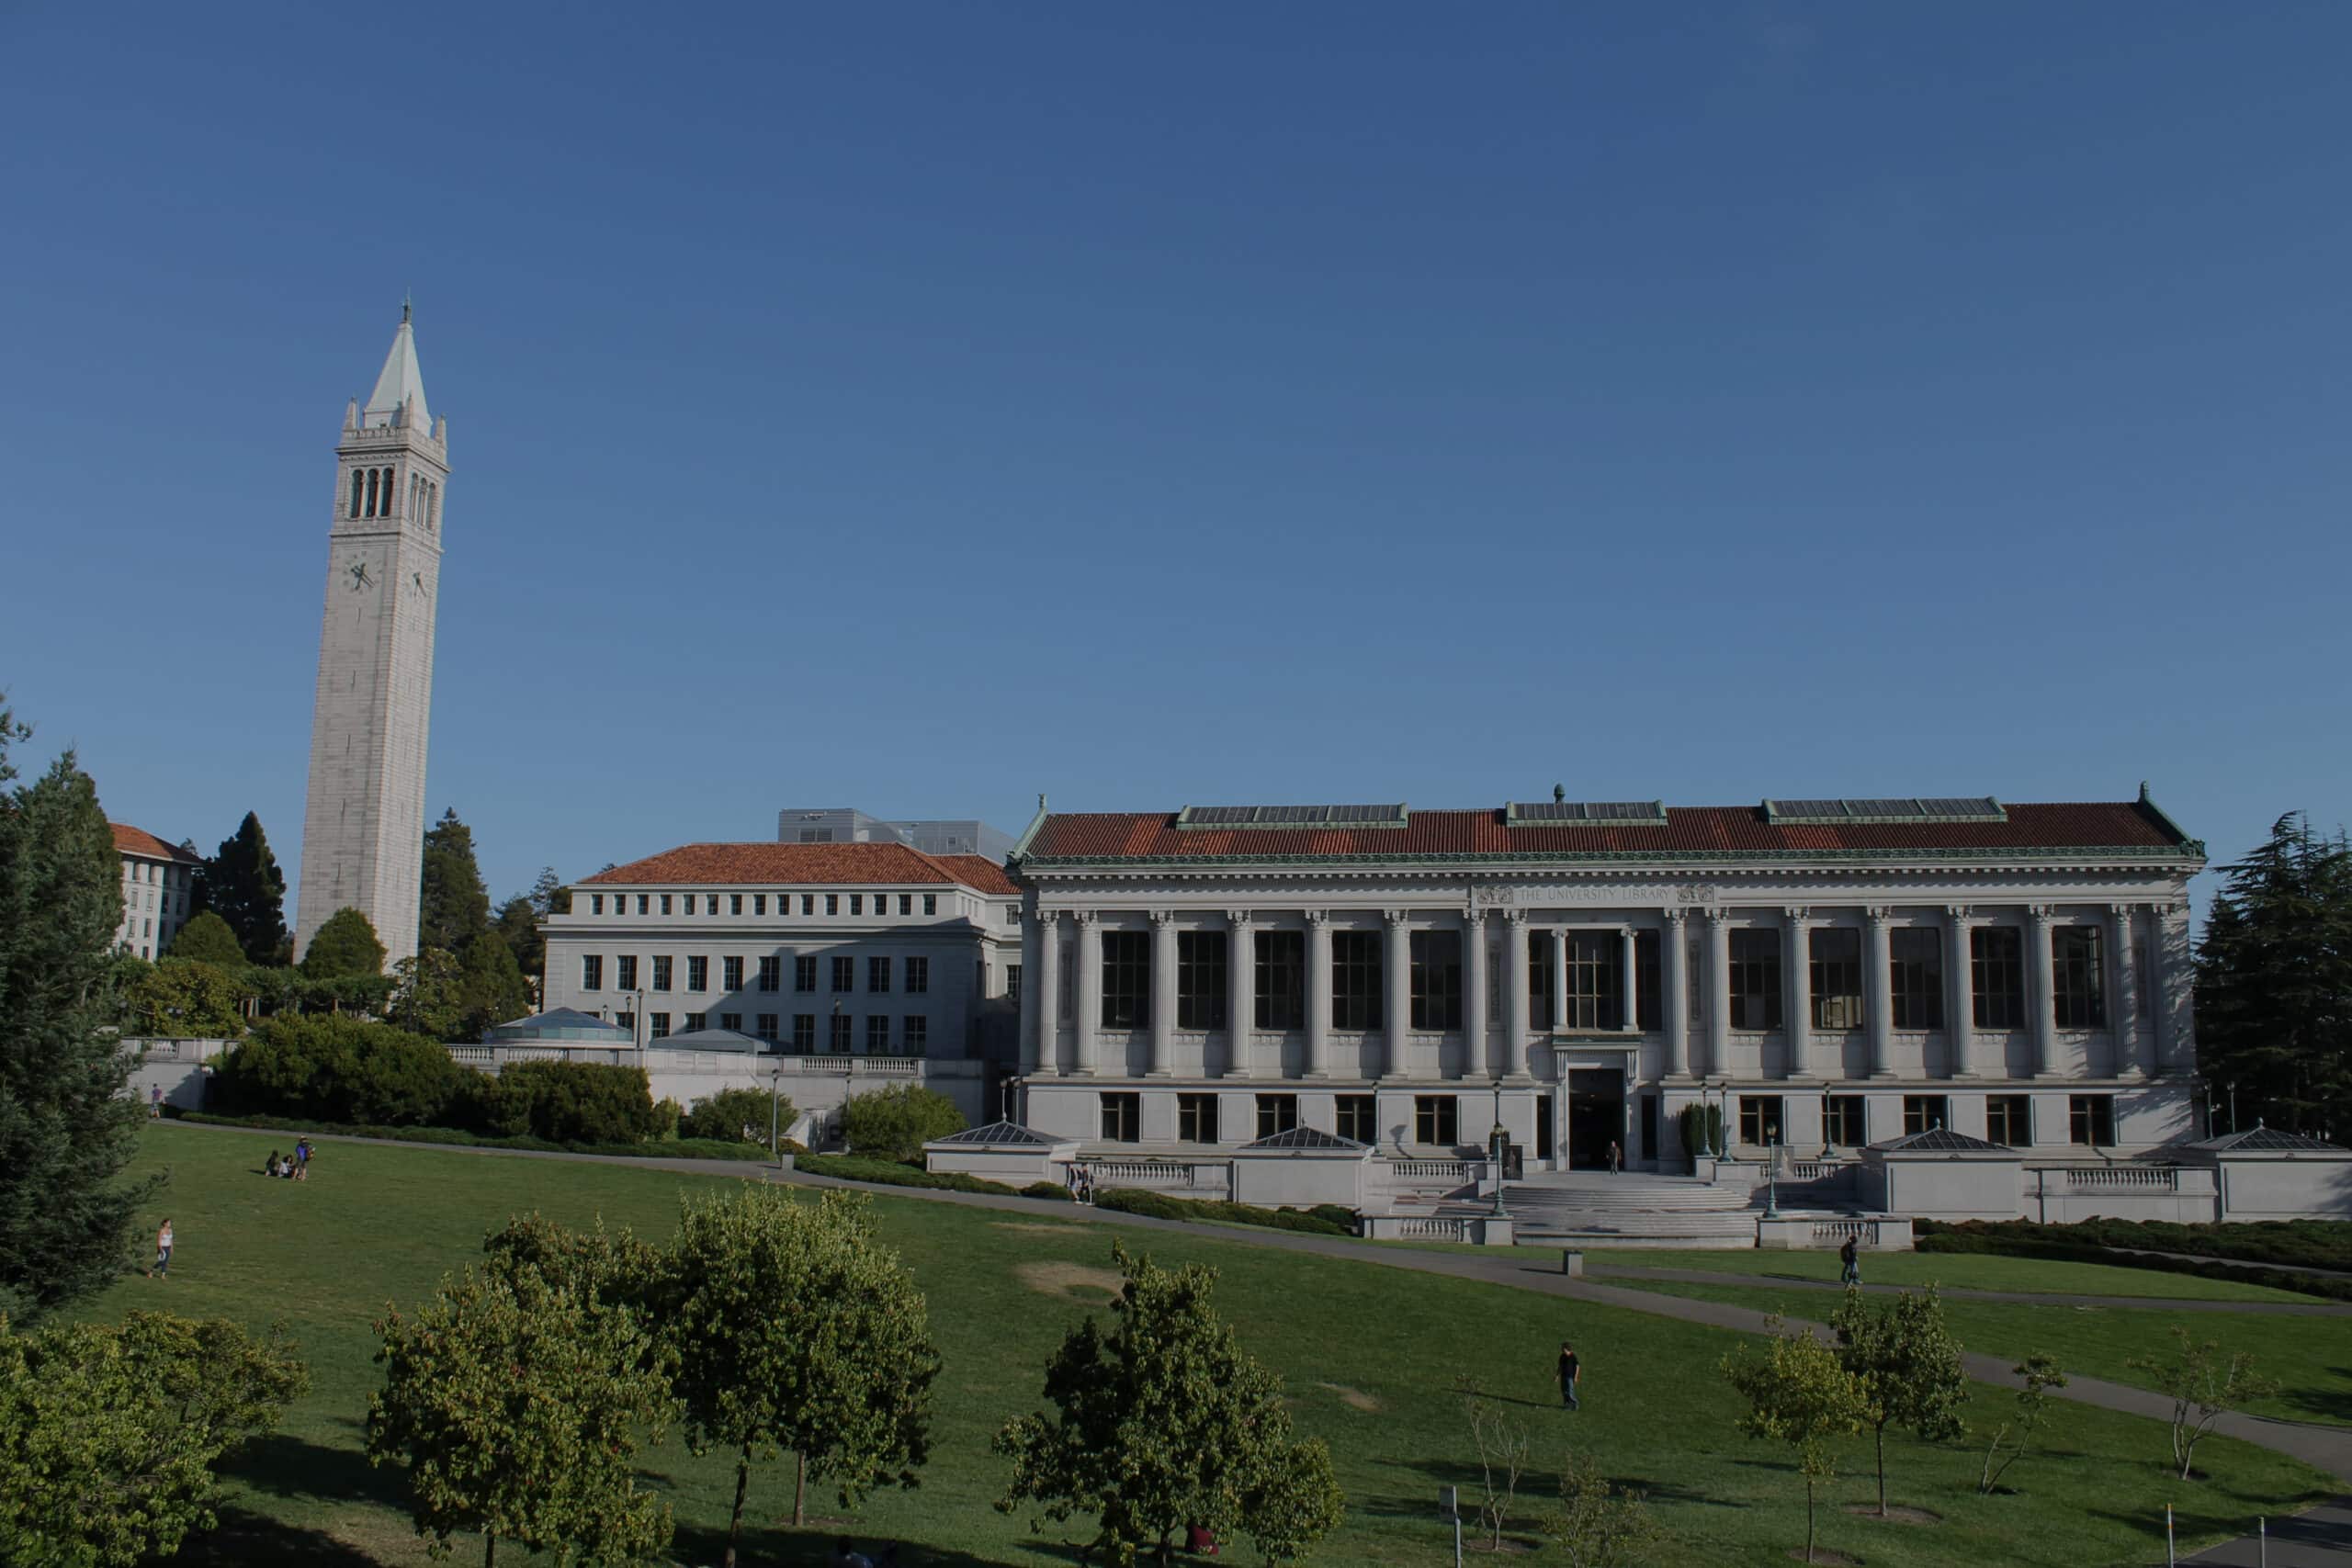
<point x="285" y="1466"/>
<point x="812" y="1547"/>
<point x="2327" y="1404"/>
<point x="247" y="1540"/>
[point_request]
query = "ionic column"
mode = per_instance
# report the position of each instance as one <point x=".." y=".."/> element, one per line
<point x="1628" y="962"/>
<point x="1049" y="991"/>
<point x="1241" y="997"/>
<point x="2123" y="1010"/>
<point x="1319" y="993"/>
<point x="1088" y="955"/>
<point x="1878" y="977"/>
<point x="1474" y="1000"/>
<point x="2042" y="967"/>
<point x="1559" y="980"/>
<point x="1718" y="992"/>
<point x="1031" y="972"/>
<point x="1796" y="1021"/>
<point x="1517" y="1025"/>
<point x="1959" y="994"/>
<point x="1674" y="995"/>
<point x="1396" y="979"/>
<point x="1163" y="993"/>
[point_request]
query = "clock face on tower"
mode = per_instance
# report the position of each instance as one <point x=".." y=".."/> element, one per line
<point x="359" y="578"/>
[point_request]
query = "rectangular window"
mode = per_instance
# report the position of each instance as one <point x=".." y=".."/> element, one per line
<point x="1011" y="980"/>
<point x="695" y="1021"/>
<point x="931" y="903"/>
<point x="1437" y="979"/>
<point x="844" y="974"/>
<point x="832" y="902"/>
<point x="629" y="971"/>
<point x="915" y="1034"/>
<point x="1756" y="979"/>
<point x="771" y="971"/>
<point x="1277" y="1113"/>
<point x="803" y="973"/>
<point x="1127" y="980"/>
<point x="1843" y="1121"/>
<point x="596" y="903"/>
<point x="2080" y="996"/>
<point x="626" y="1021"/>
<point x="1760" y="1117"/>
<point x="918" y="977"/>
<point x="856" y="904"/>
<point x="1281" y="981"/>
<point x="838" y="1036"/>
<point x="767" y="1026"/>
<point x="2008" y="1119"/>
<point x="877" y="1032"/>
<point x="1539" y="981"/>
<point x="760" y="904"/>
<point x="1650" y="981"/>
<point x="698" y="974"/>
<point x="661" y="1026"/>
<point x="877" y="976"/>
<point x="643" y="902"/>
<point x="1200" y="981"/>
<point x="808" y="903"/>
<point x="1434" y="1119"/>
<point x="804" y="1032"/>
<point x="1594" y="1000"/>
<point x="2090" y="1119"/>
<point x="1359" y="1118"/>
<point x="906" y="903"/>
<point x="734" y="903"/>
<point x="1355" y="979"/>
<point x="731" y="973"/>
<point x="1925" y="1113"/>
<point x="665" y="903"/>
<point x="1998" y="976"/>
<point x="662" y="966"/>
<point x="592" y="972"/>
<point x="710" y="903"/>
<point x="1917" y="956"/>
<point x="1121" y="1118"/>
<point x="1196" y="1117"/>
<point x="1837" y="974"/>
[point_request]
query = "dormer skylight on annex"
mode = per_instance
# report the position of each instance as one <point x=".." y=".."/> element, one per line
<point x="1903" y="811"/>
<point x="1293" y="817"/>
<point x="1585" y="814"/>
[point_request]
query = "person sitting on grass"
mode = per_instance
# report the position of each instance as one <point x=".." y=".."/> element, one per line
<point x="271" y="1169"/>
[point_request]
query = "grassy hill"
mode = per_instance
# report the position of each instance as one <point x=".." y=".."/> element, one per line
<point x="1369" y="1354"/>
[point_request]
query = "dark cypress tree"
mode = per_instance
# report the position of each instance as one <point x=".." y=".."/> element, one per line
<point x="243" y="885"/>
<point x="66" y="1128"/>
<point x="453" y="908"/>
<point x="2273" y="982"/>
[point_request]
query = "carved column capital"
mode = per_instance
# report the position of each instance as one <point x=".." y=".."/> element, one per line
<point x="2041" y="914"/>
<point x="1515" y="918"/>
<point x="1162" y="917"/>
<point x="1086" y="917"/>
<point x="1395" y="917"/>
<point x="2123" y="911"/>
<point x="1959" y="913"/>
<point x="1717" y="916"/>
<point x="1318" y="917"/>
<point x="1794" y="914"/>
<point x="1238" y="918"/>
<point x="1878" y="914"/>
<point x="1674" y="914"/>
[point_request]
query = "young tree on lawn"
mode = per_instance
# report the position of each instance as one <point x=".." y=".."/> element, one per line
<point x="515" y="1405"/>
<point x="241" y="884"/>
<point x="207" y="939"/>
<point x="452" y="906"/>
<point x="894" y="1122"/>
<point x="2040" y="1374"/>
<point x="1166" y="1424"/>
<point x="66" y="1127"/>
<point x="1798" y="1395"/>
<point x="614" y="1267"/>
<point x="345" y="945"/>
<point x="1903" y="1345"/>
<point x="1501" y="1441"/>
<point x="1598" y="1524"/>
<point x="797" y="1331"/>
<point x="108" y="1434"/>
<point x="2274" y="980"/>
<point x="2204" y="1383"/>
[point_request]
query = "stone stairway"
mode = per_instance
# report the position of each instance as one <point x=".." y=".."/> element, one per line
<point x="1593" y="1209"/>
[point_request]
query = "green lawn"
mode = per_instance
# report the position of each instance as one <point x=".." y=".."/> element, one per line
<point x="2311" y="1357"/>
<point x="1369" y="1354"/>
<point x="1955" y="1271"/>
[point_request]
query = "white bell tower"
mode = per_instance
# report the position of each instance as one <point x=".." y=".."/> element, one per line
<point x="363" y="830"/>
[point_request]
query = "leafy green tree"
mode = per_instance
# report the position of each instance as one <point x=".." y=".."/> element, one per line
<point x="179" y="997"/>
<point x="797" y="1332"/>
<point x="2204" y="1383"/>
<point x="2274" y="980"/>
<point x="452" y="908"/>
<point x="345" y="944"/>
<point x="1165" y="1425"/>
<point x="109" y="1434"/>
<point x="491" y="989"/>
<point x="1798" y="1395"/>
<point x="516" y="1404"/>
<point x="207" y="939"/>
<point x="894" y="1122"/>
<point x="428" y="994"/>
<point x="328" y="1067"/>
<point x="1597" y="1524"/>
<point x="66" y="1128"/>
<point x="583" y="1103"/>
<point x="241" y="884"/>
<point x="612" y="1267"/>
<point x="726" y="1113"/>
<point x="2040" y="1374"/>
<point x="1903" y="1347"/>
<point x="518" y="922"/>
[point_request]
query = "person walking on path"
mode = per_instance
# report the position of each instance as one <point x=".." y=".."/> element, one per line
<point x="1616" y="1156"/>
<point x="1569" y="1371"/>
<point x="155" y="1103"/>
<point x="162" y="1270"/>
<point x="1850" y="1271"/>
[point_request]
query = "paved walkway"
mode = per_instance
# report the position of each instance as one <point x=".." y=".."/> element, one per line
<point x="2021" y="1297"/>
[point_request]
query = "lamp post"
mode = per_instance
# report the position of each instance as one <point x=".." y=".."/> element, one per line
<point x="776" y="1108"/>
<point x="2232" y="1090"/>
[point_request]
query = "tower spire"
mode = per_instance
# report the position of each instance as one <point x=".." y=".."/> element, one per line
<point x="399" y="397"/>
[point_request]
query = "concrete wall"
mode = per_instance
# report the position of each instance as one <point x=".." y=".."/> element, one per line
<point x="1299" y="1179"/>
<point x="1943" y="1188"/>
<point x="2260" y="1188"/>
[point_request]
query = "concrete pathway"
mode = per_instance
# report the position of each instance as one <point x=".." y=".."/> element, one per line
<point x="2022" y="1298"/>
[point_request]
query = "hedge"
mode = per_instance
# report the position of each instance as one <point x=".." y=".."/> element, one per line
<point x="682" y="1148"/>
<point x="2312" y="1244"/>
<point x="1053" y="1191"/>
<point x="1159" y="1206"/>
<point x="890" y="1173"/>
<point x="2065" y="1244"/>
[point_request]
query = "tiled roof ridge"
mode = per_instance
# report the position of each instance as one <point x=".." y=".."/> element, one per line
<point x="692" y="863"/>
<point x="129" y="839"/>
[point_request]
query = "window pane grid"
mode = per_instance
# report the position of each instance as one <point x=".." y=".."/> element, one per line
<point x="1837" y="978"/>
<point x="1917" y="956"/>
<point x="1437" y="979"/>
<point x="1200" y="982"/>
<point x="1355" y="979"/>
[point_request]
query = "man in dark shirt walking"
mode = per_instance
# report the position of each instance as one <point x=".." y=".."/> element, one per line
<point x="1569" y="1371"/>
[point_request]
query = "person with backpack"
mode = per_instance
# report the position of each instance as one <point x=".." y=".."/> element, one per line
<point x="1849" y="1271"/>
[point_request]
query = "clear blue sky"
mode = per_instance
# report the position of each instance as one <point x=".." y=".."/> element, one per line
<point x="919" y="407"/>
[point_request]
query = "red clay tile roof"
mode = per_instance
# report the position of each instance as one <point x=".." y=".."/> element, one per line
<point x="817" y="865"/>
<point x="1688" y="831"/>
<point x="131" y="840"/>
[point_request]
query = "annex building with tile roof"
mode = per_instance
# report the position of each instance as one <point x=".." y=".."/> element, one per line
<point x="1830" y="972"/>
<point x="157" y="881"/>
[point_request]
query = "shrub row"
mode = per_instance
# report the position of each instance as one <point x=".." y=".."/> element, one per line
<point x="2064" y="1244"/>
<point x="890" y="1173"/>
<point x="1324" y="1219"/>
<point x="2311" y="1244"/>
<point x="682" y="1148"/>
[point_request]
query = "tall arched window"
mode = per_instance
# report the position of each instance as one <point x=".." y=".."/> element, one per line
<point x="432" y="508"/>
<point x="371" y="491"/>
<point x="358" y="482"/>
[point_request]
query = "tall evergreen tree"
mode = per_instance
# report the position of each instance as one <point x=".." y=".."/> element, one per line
<point x="454" y="907"/>
<point x="243" y="885"/>
<point x="2273" y="982"/>
<point x="347" y="945"/>
<point x="66" y="1128"/>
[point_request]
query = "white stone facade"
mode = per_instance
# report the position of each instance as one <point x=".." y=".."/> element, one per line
<point x="363" y="827"/>
<point x="157" y="880"/>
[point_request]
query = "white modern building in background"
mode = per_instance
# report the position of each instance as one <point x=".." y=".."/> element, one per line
<point x="157" y="879"/>
<point x="363" y="826"/>
<point x="845" y="824"/>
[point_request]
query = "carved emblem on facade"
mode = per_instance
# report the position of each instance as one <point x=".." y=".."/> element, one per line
<point x="1490" y="896"/>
